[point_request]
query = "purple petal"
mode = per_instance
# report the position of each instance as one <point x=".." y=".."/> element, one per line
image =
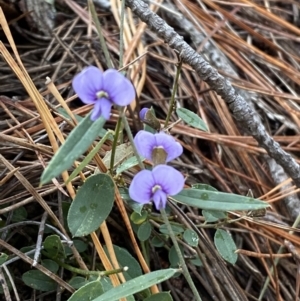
<point x="171" y="147"/>
<point x="145" y="142"/>
<point x="159" y="199"/>
<point x="170" y="179"/>
<point x="118" y="87"/>
<point x="143" y="113"/>
<point x="87" y="83"/>
<point x="102" y="108"/>
<point x="140" y="189"/>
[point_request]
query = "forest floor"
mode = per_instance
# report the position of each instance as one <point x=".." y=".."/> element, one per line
<point x="254" y="44"/>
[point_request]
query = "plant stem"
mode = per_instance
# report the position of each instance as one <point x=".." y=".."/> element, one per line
<point x="114" y="146"/>
<point x="185" y="270"/>
<point x="130" y="137"/>
<point x="171" y="107"/>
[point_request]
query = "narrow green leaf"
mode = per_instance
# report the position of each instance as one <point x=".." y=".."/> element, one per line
<point x="225" y="245"/>
<point x="213" y="215"/>
<point x="88" y="158"/>
<point x="215" y="200"/>
<point x="76" y="144"/>
<point x="136" y="285"/>
<point x="92" y="205"/>
<point x="144" y="231"/>
<point x="191" y="119"/>
<point x="88" y="292"/>
<point x="164" y="296"/>
<point x="191" y="237"/>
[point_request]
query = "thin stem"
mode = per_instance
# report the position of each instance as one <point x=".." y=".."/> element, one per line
<point x="175" y="86"/>
<point x="185" y="270"/>
<point x="130" y="137"/>
<point x="122" y="34"/>
<point x="114" y="146"/>
<point x="99" y="31"/>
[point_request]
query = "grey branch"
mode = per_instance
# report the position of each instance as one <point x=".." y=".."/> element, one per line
<point x="246" y="117"/>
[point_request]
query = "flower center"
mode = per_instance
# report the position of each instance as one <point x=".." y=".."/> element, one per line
<point x="101" y="94"/>
<point x="155" y="188"/>
<point x="159" y="155"/>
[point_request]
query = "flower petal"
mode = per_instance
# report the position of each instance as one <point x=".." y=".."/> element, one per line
<point x="87" y="83"/>
<point x="170" y="179"/>
<point x="159" y="199"/>
<point x="102" y="108"/>
<point x="120" y="90"/>
<point x="144" y="142"/>
<point x="143" y="113"/>
<point x="170" y="145"/>
<point x="140" y="189"/>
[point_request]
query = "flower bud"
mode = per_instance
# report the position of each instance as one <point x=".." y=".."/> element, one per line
<point x="148" y="118"/>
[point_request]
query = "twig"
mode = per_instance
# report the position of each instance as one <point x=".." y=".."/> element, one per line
<point x="39" y="239"/>
<point x="242" y="112"/>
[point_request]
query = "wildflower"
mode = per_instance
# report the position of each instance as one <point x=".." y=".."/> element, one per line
<point x="103" y="89"/>
<point x="147" y="144"/>
<point x="156" y="185"/>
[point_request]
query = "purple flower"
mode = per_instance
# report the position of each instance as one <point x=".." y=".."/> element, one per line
<point x="103" y="89"/>
<point x="143" y="113"/>
<point x="146" y="143"/>
<point x="156" y="185"/>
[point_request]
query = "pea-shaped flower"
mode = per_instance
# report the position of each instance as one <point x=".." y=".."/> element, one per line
<point x="146" y="144"/>
<point x="156" y="185"/>
<point x="103" y="89"/>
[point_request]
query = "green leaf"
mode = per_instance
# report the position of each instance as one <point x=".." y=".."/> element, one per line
<point x="177" y="229"/>
<point x="213" y="215"/>
<point x="81" y="137"/>
<point x="80" y="245"/>
<point x="196" y="261"/>
<point x="19" y="215"/>
<point x="39" y="281"/>
<point x="225" y="245"/>
<point x="204" y="187"/>
<point x="164" y="296"/>
<point x="136" y="285"/>
<point x="88" y="292"/>
<point x="88" y="158"/>
<point x="191" y="119"/>
<point x="50" y="265"/>
<point x="3" y="258"/>
<point x="191" y="237"/>
<point x="215" y="200"/>
<point x="54" y="247"/>
<point x="126" y="259"/>
<point x="144" y="231"/>
<point x="157" y="241"/>
<point x="173" y="257"/>
<point x="92" y="205"/>
<point x="78" y="281"/>
<point x="127" y="164"/>
<point x="137" y="218"/>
